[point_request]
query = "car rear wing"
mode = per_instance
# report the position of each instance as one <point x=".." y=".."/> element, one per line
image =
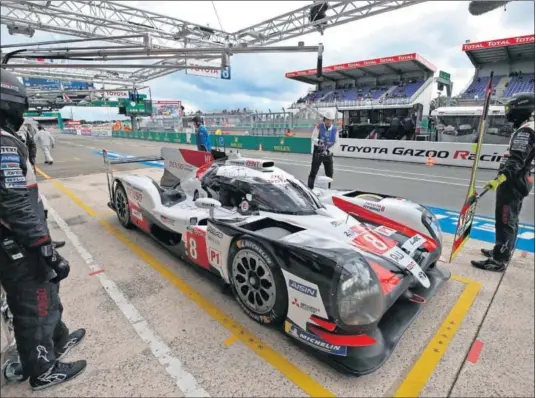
<point x="109" y="162"/>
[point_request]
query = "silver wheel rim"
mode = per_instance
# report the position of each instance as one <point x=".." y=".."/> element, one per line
<point x="121" y="205"/>
<point x="253" y="281"/>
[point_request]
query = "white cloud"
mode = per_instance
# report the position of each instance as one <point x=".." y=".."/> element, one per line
<point x="434" y="29"/>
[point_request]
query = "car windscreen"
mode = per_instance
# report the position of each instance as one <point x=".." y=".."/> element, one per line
<point x="281" y="196"/>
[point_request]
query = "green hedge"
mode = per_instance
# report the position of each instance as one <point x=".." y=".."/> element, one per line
<point x="270" y="144"/>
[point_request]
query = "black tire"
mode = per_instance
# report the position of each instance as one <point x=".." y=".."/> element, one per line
<point x="121" y="206"/>
<point x="263" y="283"/>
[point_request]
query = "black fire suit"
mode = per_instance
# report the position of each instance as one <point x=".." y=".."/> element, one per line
<point x="32" y="296"/>
<point x="516" y="166"/>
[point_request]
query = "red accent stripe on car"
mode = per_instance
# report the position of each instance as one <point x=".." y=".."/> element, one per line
<point x="388" y="280"/>
<point x="360" y="340"/>
<point x="329" y="326"/>
<point x="359" y="211"/>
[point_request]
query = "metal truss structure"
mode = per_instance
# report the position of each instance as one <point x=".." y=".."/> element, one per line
<point x="106" y="20"/>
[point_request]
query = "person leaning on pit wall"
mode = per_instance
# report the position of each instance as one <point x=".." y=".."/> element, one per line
<point x="30" y="267"/>
<point x="516" y="167"/>
<point x="326" y="133"/>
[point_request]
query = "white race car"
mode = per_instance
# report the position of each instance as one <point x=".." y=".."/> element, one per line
<point x="345" y="272"/>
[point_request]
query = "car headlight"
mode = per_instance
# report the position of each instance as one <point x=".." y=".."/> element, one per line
<point x="433" y="223"/>
<point x="360" y="300"/>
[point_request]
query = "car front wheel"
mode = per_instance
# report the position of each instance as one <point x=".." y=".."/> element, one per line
<point x="257" y="281"/>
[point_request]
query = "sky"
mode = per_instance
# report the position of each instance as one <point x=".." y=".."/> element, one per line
<point x="435" y="29"/>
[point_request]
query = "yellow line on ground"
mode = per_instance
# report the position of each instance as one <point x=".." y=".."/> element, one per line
<point x="228" y="342"/>
<point x="76" y="158"/>
<point x="278" y="361"/>
<point x="103" y="213"/>
<point x="67" y="192"/>
<point x="421" y="371"/>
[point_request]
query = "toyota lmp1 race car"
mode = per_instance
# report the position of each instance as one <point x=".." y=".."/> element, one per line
<point x="345" y="272"/>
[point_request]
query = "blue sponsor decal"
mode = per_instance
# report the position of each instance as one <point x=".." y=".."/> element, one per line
<point x="315" y="341"/>
<point x="483" y="228"/>
<point x="308" y="290"/>
<point x="5" y="158"/>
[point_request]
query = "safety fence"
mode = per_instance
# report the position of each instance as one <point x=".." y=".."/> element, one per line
<point x="264" y="143"/>
<point x="421" y="152"/>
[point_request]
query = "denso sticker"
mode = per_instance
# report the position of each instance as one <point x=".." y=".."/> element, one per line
<point x="308" y="290"/>
<point x="9" y="166"/>
<point x="315" y="341"/>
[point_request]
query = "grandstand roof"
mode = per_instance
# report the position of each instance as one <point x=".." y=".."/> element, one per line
<point x="395" y="64"/>
<point x="510" y="49"/>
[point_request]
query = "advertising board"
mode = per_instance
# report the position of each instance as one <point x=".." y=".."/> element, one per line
<point x="442" y="153"/>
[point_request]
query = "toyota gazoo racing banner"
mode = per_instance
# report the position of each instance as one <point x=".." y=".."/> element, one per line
<point x="441" y="153"/>
<point x="465" y="221"/>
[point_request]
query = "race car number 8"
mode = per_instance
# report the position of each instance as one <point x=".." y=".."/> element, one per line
<point x="377" y="243"/>
<point x="192" y="248"/>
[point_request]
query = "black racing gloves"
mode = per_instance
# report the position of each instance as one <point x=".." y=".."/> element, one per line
<point x="53" y="259"/>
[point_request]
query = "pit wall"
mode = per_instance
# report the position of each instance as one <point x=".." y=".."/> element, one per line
<point x="420" y="152"/>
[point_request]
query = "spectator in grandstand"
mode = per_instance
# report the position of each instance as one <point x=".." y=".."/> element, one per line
<point x="516" y="167"/>
<point x="409" y="128"/>
<point x="202" y="135"/>
<point x="395" y="130"/>
<point x="46" y="142"/>
<point x="326" y="133"/>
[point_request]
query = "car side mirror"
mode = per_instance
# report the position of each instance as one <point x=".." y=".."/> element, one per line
<point x="208" y="203"/>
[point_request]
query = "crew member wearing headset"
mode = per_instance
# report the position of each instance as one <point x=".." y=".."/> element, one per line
<point x="326" y="133"/>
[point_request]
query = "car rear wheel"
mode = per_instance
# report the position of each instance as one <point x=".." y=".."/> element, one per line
<point x="257" y="281"/>
<point x="121" y="207"/>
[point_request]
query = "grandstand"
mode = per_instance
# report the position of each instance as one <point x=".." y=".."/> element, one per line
<point x="512" y="61"/>
<point x="369" y="93"/>
<point x="394" y="80"/>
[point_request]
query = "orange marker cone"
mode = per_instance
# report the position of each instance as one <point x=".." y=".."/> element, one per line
<point x="429" y="161"/>
<point x="260" y="147"/>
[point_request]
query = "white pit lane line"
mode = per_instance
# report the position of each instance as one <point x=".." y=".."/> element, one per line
<point x="161" y="351"/>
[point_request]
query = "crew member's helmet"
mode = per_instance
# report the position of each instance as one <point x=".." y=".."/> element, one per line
<point x="13" y="102"/>
<point x="519" y="109"/>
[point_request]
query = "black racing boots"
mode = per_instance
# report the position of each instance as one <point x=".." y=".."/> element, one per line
<point x="60" y="372"/>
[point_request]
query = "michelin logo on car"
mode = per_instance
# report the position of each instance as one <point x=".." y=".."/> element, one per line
<point x="312" y="340"/>
<point x="308" y="290"/>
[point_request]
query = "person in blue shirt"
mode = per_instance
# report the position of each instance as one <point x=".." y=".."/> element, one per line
<point x="202" y="135"/>
<point x="326" y="133"/>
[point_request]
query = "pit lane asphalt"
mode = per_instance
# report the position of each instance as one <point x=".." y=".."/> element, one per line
<point x="437" y="186"/>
